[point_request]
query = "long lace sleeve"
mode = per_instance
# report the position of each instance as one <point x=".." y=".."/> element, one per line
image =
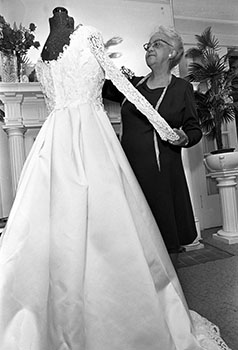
<point x="128" y="90"/>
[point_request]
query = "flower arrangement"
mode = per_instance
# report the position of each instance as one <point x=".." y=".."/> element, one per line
<point x="17" y="41"/>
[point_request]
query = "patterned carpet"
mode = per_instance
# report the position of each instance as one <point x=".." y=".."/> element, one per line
<point x="201" y="256"/>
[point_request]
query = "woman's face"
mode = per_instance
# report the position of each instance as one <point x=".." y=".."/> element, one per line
<point x="158" y="49"/>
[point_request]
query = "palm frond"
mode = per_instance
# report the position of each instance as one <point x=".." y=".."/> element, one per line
<point x="193" y="52"/>
<point x="235" y="105"/>
<point x="207" y="40"/>
<point x="214" y="67"/>
<point x="27" y="65"/>
<point x="211" y="67"/>
<point x="205" y="107"/>
<point x="196" y="72"/>
<point x="25" y="59"/>
<point x="228" y="114"/>
<point x="207" y="123"/>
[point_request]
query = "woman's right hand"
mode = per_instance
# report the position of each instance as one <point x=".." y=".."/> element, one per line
<point x="183" y="138"/>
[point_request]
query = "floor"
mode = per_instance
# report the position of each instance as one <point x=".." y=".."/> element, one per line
<point x="209" y="278"/>
<point x="201" y="256"/>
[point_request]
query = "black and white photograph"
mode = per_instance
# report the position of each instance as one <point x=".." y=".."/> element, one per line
<point x="118" y="175"/>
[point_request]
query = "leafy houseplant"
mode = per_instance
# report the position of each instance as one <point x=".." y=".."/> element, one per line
<point x="17" y="41"/>
<point x="216" y="105"/>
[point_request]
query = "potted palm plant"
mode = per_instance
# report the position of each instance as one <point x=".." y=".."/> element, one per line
<point x="215" y="103"/>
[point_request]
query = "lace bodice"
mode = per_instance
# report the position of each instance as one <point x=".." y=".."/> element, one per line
<point x="75" y="76"/>
<point x="78" y="75"/>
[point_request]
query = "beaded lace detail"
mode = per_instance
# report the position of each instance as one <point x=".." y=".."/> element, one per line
<point x="131" y="93"/>
<point x="47" y="86"/>
<point x="207" y="333"/>
<point x="82" y="64"/>
<point x="75" y="77"/>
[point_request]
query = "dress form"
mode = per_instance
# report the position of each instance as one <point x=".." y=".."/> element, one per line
<point x="61" y="26"/>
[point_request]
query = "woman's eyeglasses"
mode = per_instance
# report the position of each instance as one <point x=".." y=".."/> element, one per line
<point x="156" y="44"/>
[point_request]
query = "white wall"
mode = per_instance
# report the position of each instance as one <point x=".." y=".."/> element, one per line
<point x="132" y="20"/>
<point x="191" y="17"/>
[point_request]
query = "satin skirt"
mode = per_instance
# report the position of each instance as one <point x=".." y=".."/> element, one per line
<point x="82" y="262"/>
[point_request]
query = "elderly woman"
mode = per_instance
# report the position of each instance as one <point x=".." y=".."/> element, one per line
<point x="157" y="164"/>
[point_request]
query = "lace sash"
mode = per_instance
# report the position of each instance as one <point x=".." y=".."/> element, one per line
<point x="130" y="92"/>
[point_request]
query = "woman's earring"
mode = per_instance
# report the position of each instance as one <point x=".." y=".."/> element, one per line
<point x="170" y="55"/>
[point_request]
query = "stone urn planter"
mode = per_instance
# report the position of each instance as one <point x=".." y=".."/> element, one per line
<point x="222" y="161"/>
<point x="223" y="167"/>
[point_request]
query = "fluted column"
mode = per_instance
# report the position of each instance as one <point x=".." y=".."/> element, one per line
<point x="226" y="183"/>
<point x="25" y="110"/>
<point x="196" y="244"/>
<point x="17" y="153"/>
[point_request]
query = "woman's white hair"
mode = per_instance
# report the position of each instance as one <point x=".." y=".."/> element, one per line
<point x="175" y="39"/>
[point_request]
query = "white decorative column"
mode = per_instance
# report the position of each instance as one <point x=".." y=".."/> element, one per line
<point x="189" y="162"/>
<point x="226" y="183"/>
<point x="14" y="127"/>
<point x="17" y="153"/>
<point x="25" y="112"/>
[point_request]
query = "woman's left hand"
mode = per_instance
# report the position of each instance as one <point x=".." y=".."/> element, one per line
<point x="113" y="41"/>
<point x="183" y="138"/>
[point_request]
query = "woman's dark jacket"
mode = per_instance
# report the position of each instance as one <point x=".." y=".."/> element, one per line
<point x="165" y="188"/>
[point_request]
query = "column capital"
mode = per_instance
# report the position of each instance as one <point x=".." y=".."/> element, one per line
<point x="14" y="130"/>
<point x="23" y="103"/>
<point x="11" y="97"/>
<point x="223" y="174"/>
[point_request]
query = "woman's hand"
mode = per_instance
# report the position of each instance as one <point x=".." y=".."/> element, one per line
<point x="113" y="41"/>
<point x="183" y="138"/>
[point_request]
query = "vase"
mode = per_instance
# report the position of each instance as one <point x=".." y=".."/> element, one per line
<point x="8" y="68"/>
<point x="19" y="68"/>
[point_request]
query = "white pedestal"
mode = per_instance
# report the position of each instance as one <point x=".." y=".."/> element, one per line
<point x="222" y="237"/>
<point x="188" y="158"/>
<point x="226" y="183"/>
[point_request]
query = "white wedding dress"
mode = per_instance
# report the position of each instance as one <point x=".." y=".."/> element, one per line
<point x="82" y="262"/>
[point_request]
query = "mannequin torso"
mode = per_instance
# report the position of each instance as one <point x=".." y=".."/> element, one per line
<point x="61" y="26"/>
